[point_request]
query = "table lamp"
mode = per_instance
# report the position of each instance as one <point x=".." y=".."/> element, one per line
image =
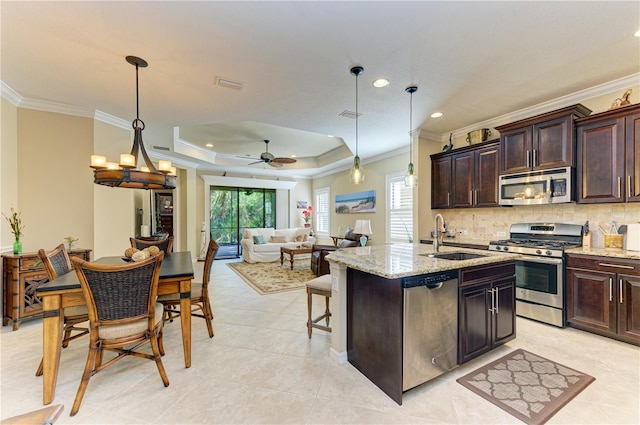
<point x="363" y="227"/>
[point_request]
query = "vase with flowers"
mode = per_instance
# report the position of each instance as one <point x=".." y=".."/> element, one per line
<point x="15" y="221"/>
<point x="306" y="215"/>
<point x="70" y="241"/>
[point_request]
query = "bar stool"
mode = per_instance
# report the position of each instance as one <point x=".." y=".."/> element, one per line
<point x="319" y="286"/>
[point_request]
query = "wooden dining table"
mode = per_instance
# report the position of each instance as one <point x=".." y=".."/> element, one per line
<point x="176" y="274"/>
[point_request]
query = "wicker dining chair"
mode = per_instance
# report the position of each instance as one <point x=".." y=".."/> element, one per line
<point x="200" y="304"/>
<point x="165" y="245"/>
<point x="56" y="263"/>
<point x="123" y="314"/>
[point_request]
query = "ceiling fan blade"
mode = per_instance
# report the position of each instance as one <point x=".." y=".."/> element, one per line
<point x="283" y="160"/>
<point x="275" y="164"/>
<point x="248" y="157"/>
<point x="257" y="162"/>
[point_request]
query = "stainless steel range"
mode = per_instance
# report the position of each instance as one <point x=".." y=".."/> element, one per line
<point x="540" y="271"/>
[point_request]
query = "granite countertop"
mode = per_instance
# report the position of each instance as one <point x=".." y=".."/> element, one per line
<point x="605" y="252"/>
<point x="399" y="260"/>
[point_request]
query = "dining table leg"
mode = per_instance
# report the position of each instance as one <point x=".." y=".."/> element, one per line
<point x="51" y="345"/>
<point x="185" y="319"/>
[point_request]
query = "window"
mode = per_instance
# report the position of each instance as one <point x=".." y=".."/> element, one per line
<point x="400" y="209"/>
<point x="321" y="210"/>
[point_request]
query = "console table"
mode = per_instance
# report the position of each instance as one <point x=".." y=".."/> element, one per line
<point x="21" y="275"/>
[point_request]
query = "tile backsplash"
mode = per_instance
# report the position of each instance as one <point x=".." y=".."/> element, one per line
<point x="485" y="223"/>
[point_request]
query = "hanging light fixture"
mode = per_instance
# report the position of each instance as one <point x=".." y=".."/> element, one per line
<point x="125" y="174"/>
<point x="411" y="178"/>
<point x="357" y="172"/>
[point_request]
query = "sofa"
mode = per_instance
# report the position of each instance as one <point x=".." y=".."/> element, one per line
<point x="320" y="266"/>
<point x="262" y="245"/>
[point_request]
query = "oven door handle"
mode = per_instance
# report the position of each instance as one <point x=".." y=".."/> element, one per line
<point x="544" y="260"/>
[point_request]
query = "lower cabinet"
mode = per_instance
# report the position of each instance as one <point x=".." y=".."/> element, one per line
<point x="603" y="296"/>
<point x="487" y="315"/>
<point x="22" y="274"/>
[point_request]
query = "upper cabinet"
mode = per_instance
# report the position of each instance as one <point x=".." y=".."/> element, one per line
<point x="608" y="150"/>
<point x="466" y="177"/>
<point x="541" y="142"/>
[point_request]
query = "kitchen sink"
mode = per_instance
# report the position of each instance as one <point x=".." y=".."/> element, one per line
<point x="457" y="256"/>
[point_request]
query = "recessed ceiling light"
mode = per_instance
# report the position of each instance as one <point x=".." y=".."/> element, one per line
<point x="209" y="145"/>
<point x="437" y="115"/>
<point x="380" y="82"/>
<point x="637" y="34"/>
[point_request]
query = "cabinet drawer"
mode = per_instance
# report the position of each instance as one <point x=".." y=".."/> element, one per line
<point x="31" y="263"/>
<point x="605" y="264"/>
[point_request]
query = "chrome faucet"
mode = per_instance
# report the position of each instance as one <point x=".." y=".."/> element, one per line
<point x="438" y="234"/>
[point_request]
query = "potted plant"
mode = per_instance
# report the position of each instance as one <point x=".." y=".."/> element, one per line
<point x="15" y="221"/>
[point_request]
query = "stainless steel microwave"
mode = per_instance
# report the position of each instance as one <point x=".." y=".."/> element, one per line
<point x="536" y="187"/>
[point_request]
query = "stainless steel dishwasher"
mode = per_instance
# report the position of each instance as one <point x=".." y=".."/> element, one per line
<point x="430" y="327"/>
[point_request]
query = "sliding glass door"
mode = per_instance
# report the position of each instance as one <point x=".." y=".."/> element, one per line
<point x="233" y="209"/>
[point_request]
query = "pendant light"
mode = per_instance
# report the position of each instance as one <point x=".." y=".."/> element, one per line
<point x="411" y="178"/>
<point x="357" y="172"/>
<point x="125" y="174"/>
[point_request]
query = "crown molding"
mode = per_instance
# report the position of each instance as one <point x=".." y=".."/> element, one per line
<point x="10" y="94"/>
<point x="248" y="182"/>
<point x="185" y="148"/>
<point x="113" y="120"/>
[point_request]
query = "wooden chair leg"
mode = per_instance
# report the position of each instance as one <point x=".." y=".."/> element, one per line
<point x="156" y="354"/>
<point x="208" y="315"/>
<point x="309" y="301"/>
<point x="327" y="312"/>
<point x="40" y="370"/>
<point x="89" y="368"/>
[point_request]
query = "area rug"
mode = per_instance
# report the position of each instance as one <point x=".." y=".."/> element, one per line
<point x="270" y="278"/>
<point x="529" y="387"/>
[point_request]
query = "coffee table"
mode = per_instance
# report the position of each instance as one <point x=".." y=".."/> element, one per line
<point x="292" y="252"/>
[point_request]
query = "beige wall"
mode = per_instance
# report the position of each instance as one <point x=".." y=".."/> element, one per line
<point x="301" y="192"/>
<point x="375" y="179"/>
<point x="55" y="188"/>
<point x="8" y="169"/>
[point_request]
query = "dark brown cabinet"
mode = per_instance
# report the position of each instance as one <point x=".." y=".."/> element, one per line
<point x="22" y="274"/>
<point x="441" y="182"/>
<point x="603" y="296"/>
<point x="466" y="178"/>
<point x="608" y="150"/>
<point x="541" y="142"/>
<point x="486" y="309"/>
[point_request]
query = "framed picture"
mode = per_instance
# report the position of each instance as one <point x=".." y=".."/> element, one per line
<point x="302" y="205"/>
<point x="358" y="202"/>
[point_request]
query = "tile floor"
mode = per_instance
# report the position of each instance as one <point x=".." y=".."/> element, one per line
<point x="260" y="367"/>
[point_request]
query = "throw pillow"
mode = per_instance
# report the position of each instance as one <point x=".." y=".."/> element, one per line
<point x="301" y="238"/>
<point x="276" y="239"/>
<point x="259" y="240"/>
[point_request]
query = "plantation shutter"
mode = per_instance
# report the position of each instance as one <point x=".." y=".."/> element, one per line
<point x="322" y="212"/>
<point x="400" y="208"/>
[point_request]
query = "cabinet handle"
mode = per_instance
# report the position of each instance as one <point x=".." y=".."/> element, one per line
<point x="528" y="162"/>
<point x="610" y="289"/>
<point x="497" y="304"/>
<point x="621" y="298"/>
<point x="628" y="187"/>
<point x="476" y="192"/>
<point x="620" y="266"/>
<point x="535" y="157"/>
<point x="619" y="187"/>
<point x="471" y="197"/>
<point x="447" y="198"/>
<point x="491" y="309"/>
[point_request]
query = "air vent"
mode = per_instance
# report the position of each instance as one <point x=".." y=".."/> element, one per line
<point x="228" y="84"/>
<point x="161" y="148"/>
<point x="348" y="114"/>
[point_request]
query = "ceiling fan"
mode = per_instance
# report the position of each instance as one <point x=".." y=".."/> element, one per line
<point x="273" y="161"/>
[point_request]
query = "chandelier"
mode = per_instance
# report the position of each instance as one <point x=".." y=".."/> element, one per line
<point x="125" y="174"/>
<point x="411" y="178"/>
<point x="357" y="172"/>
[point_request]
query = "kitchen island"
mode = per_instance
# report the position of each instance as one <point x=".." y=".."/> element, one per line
<point x="374" y="329"/>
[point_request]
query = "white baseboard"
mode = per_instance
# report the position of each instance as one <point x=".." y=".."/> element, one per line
<point x="341" y="357"/>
